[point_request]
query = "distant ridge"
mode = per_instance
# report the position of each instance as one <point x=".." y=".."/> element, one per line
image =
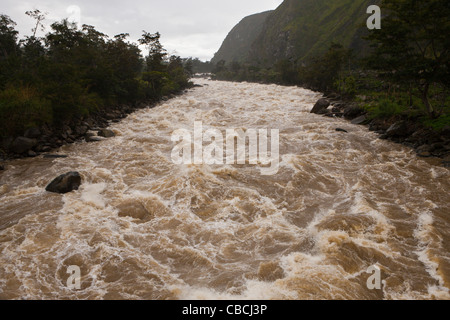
<point x="298" y="30"/>
<point x="237" y="44"/>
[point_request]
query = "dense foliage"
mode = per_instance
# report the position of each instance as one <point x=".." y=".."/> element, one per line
<point x="320" y="73"/>
<point x="73" y="72"/>
<point x="412" y="49"/>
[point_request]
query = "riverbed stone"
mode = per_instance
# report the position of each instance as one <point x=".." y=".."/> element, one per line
<point x="359" y="120"/>
<point x="398" y="129"/>
<point x="32" y="154"/>
<point x="81" y="130"/>
<point x="106" y="133"/>
<point x="353" y="111"/>
<point x="320" y="106"/>
<point x="93" y="138"/>
<point x="22" y="145"/>
<point x="65" y="183"/>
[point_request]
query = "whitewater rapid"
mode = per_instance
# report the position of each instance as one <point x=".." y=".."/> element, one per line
<point x="143" y="227"/>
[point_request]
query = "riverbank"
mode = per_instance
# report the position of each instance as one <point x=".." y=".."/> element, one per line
<point x="402" y="129"/>
<point x="47" y="138"/>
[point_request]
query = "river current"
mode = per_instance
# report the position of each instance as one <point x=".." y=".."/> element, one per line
<point x="144" y="227"/>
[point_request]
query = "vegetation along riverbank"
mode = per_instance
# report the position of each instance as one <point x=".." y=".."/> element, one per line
<point x="59" y="88"/>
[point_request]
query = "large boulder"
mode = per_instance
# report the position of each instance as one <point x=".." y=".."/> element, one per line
<point x="65" y="183"/>
<point x="81" y="130"/>
<point x="106" y="133"/>
<point x="359" y="120"/>
<point x="22" y="145"/>
<point x="398" y="129"/>
<point x="91" y="137"/>
<point x="320" y="106"/>
<point x="353" y="111"/>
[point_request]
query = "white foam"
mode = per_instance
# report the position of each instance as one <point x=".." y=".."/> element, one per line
<point x="92" y="194"/>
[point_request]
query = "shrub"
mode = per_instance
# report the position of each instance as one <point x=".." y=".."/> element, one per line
<point x="22" y="108"/>
<point x="384" y="108"/>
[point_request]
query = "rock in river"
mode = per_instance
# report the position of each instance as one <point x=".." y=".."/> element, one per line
<point x="106" y="133"/>
<point x="22" y="145"/>
<point x="65" y="183"/>
<point x="320" y="106"/>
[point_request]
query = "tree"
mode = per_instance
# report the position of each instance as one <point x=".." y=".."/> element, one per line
<point x="412" y="47"/>
<point x="288" y="71"/>
<point x="73" y="71"/>
<point x="156" y="54"/>
<point x="39" y="17"/>
<point x="9" y="50"/>
<point x="322" y="73"/>
<point x="8" y="37"/>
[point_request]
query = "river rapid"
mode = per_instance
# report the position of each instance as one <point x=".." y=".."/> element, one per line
<point x="143" y="227"/>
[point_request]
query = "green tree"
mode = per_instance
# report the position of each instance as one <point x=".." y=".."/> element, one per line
<point x="8" y="37"/>
<point x="288" y="71"/>
<point x="323" y="72"/>
<point x="412" y="47"/>
<point x="156" y="54"/>
<point x="72" y="72"/>
<point x="9" y="50"/>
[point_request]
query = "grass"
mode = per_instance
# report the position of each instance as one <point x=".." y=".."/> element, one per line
<point x="439" y="123"/>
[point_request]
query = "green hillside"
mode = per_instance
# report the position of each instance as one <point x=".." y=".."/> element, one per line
<point x="237" y="44"/>
<point x="301" y="29"/>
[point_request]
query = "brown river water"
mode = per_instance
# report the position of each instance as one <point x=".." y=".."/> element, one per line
<point x="143" y="227"/>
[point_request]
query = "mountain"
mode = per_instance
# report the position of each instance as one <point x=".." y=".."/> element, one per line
<point x="302" y="29"/>
<point x="298" y="30"/>
<point x="237" y="44"/>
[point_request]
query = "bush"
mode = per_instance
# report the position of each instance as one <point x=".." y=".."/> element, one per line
<point x="439" y="123"/>
<point x="384" y="108"/>
<point x="22" y="108"/>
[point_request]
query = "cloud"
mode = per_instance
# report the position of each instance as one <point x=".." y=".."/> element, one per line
<point x="191" y="28"/>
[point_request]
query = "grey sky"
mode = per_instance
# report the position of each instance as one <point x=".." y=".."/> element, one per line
<point x="188" y="28"/>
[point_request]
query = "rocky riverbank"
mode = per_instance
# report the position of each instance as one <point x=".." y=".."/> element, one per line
<point x="43" y="140"/>
<point x="400" y="129"/>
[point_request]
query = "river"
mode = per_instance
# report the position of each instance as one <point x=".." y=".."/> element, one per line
<point x="144" y="227"/>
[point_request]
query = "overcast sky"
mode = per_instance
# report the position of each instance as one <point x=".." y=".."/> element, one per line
<point x="188" y="27"/>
